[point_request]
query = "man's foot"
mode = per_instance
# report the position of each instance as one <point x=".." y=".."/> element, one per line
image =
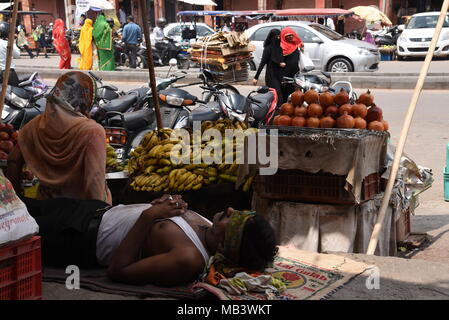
<point x="46" y="56"/>
<point x="32" y="56"/>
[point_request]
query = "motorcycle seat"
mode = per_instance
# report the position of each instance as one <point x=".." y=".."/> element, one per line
<point x="24" y="77"/>
<point x="21" y="93"/>
<point x="133" y="120"/>
<point x="209" y="112"/>
<point x="121" y="104"/>
<point x="261" y="109"/>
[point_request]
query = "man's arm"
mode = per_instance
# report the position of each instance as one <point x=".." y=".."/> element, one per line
<point x="175" y="267"/>
<point x="14" y="169"/>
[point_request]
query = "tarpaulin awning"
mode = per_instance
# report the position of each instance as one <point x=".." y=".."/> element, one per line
<point x="248" y="14"/>
<point x="313" y="13"/>
<point x="200" y="2"/>
<point x="4" y="6"/>
<point x="26" y="12"/>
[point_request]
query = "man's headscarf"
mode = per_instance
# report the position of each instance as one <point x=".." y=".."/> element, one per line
<point x="234" y="233"/>
<point x="290" y="47"/>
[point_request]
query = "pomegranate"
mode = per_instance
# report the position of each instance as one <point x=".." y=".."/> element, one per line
<point x="345" y="108"/>
<point x="284" y="120"/>
<point x="327" y="122"/>
<point x="313" y="122"/>
<point x="297" y="98"/>
<point x="374" y="114"/>
<point x="345" y="121"/>
<point x="288" y="109"/>
<point x="326" y="99"/>
<point x="276" y="120"/>
<point x="332" y="111"/>
<point x="300" y="111"/>
<point x="314" y="110"/>
<point x="366" y="98"/>
<point x="359" y="123"/>
<point x="298" y="122"/>
<point x="359" y="110"/>
<point x="376" y="125"/>
<point x="341" y="97"/>
<point x="311" y="96"/>
<point x="386" y="126"/>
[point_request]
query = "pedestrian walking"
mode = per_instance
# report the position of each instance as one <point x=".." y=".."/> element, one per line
<point x="39" y="35"/>
<point x="132" y="35"/>
<point x="102" y="34"/>
<point x="62" y="45"/>
<point x="273" y="59"/>
<point x="85" y="45"/>
<point x="291" y="46"/>
<point x="22" y="41"/>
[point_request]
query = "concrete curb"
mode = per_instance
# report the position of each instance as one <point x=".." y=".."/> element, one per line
<point x="358" y="79"/>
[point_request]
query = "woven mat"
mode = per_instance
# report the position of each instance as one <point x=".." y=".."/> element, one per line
<point x="307" y="275"/>
<point x="96" y="280"/>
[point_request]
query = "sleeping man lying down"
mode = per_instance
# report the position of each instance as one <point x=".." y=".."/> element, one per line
<point x="161" y="243"/>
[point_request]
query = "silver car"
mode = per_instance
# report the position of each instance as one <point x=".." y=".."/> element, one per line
<point x="328" y="50"/>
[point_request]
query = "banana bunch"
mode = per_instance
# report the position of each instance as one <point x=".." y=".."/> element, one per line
<point x="151" y="168"/>
<point x="112" y="165"/>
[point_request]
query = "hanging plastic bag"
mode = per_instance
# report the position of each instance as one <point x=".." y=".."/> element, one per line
<point x="305" y="62"/>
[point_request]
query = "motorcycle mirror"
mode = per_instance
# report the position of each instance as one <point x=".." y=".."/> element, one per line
<point x="173" y="62"/>
<point x="401" y="27"/>
<point x="263" y="89"/>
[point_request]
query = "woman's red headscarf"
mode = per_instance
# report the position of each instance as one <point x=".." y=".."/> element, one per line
<point x="289" y="47"/>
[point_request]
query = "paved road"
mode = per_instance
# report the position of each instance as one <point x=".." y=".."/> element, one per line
<point x="412" y="66"/>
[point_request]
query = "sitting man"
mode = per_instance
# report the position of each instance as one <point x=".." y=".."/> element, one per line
<point x="161" y="243"/>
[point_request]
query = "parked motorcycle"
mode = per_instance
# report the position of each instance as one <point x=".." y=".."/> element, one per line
<point x="73" y="36"/>
<point x="127" y="119"/>
<point x="389" y="38"/>
<point x="120" y="56"/>
<point x="24" y="102"/>
<point x="305" y="81"/>
<point x="175" y="51"/>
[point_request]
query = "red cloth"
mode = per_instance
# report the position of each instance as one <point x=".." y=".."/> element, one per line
<point x="289" y="47"/>
<point x="61" y="44"/>
<point x="270" y="112"/>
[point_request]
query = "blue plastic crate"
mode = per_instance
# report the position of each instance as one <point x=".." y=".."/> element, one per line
<point x="385" y="57"/>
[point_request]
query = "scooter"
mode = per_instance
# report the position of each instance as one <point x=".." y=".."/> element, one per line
<point x="24" y="102"/>
<point x="390" y="38"/>
<point x="305" y="81"/>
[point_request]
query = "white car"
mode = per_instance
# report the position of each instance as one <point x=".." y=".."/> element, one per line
<point x="174" y="30"/>
<point x="417" y="34"/>
<point x="328" y="50"/>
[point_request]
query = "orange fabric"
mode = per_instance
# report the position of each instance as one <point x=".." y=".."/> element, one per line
<point x="66" y="151"/>
<point x="289" y="47"/>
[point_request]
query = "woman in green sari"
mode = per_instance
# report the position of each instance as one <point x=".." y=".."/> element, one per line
<point x="102" y="34"/>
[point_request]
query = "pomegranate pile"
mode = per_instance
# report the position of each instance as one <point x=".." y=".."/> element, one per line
<point x="328" y="110"/>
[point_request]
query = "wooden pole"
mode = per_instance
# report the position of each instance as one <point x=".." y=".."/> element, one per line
<point x="405" y="128"/>
<point x="12" y="28"/>
<point x="146" y="31"/>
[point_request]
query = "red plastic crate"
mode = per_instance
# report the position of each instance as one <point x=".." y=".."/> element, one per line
<point x="296" y="185"/>
<point x="21" y="270"/>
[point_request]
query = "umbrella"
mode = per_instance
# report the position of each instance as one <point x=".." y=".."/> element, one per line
<point x="371" y="14"/>
<point x="200" y="2"/>
<point x="98" y="5"/>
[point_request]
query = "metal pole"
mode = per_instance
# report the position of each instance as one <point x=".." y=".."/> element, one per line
<point x="146" y="30"/>
<point x="408" y="120"/>
<point x="12" y="28"/>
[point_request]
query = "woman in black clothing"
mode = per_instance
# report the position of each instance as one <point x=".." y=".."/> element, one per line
<point x="291" y="44"/>
<point x="272" y="57"/>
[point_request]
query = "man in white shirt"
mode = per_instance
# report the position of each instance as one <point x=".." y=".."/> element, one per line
<point x="330" y="23"/>
<point x="4" y="31"/>
<point x="159" y="37"/>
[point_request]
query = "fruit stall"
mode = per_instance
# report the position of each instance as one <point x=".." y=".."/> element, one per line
<point x="332" y="157"/>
